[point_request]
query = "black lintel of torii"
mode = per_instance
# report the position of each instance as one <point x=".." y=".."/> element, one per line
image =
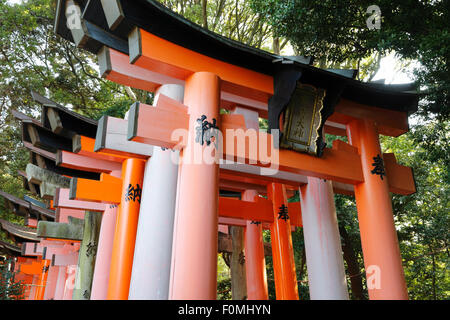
<point x="50" y="164"/>
<point x="27" y="209"/>
<point x="34" y="133"/>
<point x="19" y="233"/>
<point x="27" y="185"/>
<point x="10" y="249"/>
<point x="63" y="121"/>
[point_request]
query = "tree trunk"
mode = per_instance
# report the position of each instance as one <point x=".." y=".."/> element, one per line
<point x="205" y="13"/>
<point x="276" y="45"/>
<point x="352" y="265"/>
<point x="237" y="265"/>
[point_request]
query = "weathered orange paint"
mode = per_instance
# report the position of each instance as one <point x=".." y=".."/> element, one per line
<point x="282" y="251"/>
<point x="194" y="255"/>
<point x="125" y="233"/>
<point x="376" y="222"/>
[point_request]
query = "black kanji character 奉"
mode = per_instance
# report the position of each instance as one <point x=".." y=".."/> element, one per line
<point x="283" y="213"/>
<point x="378" y="165"/>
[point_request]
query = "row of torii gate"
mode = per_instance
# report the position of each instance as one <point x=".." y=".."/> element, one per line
<point x="142" y="226"/>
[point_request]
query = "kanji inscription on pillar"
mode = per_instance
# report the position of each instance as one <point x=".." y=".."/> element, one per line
<point x="133" y="193"/>
<point x="91" y="249"/>
<point x="378" y="166"/>
<point x="206" y="131"/>
<point x="283" y="213"/>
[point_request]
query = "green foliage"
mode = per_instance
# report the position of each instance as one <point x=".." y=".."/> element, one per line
<point x="9" y="288"/>
<point x="223" y="279"/>
<point x="336" y="31"/>
<point x="32" y="57"/>
<point x="230" y="18"/>
<point x="336" y="34"/>
<point x="423" y="219"/>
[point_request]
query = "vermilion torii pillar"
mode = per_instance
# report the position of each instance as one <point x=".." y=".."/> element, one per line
<point x="194" y="253"/>
<point x="382" y="259"/>
<point x="255" y="261"/>
<point x="286" y="287"/>
<point x="326" y="273"/>
<point x="126" y="192"/>
<point x="126" y="227"/>
<point x="39" y="268"/>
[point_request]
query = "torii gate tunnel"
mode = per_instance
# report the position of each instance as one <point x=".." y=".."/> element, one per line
<point x="172" y="160"/>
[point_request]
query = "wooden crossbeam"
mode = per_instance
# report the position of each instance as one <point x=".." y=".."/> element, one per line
<point x="156" y="54"/>
<point x="35" y="267"/>
<point x="47" y="180"/>
<point x="63" y="214"/>
<point x="389" y="122"/>
<point x="107" y="190"/>
<point x="400" y="178"/>
<point x="155" y="125"/>
<point x="161" y="56"/>
<point x="85" y="146"/>
<point x="31" y="249"/>
<point x="62" y="200"/>
<point x="44" y="138"/>
<point x="67" y="259"/>
<point x="63" y="121"/>
<point x="341" y="163"/>
<point x="58" y="248"/>
<point x="260" y="210"/>
<point x="115" y="66"/>
<point x="32" y="187"/>
<point x="79" y="162"/>
<point x="112" y="138"/>
<point x="91" y="37"/>
<point x="68" y="231"/>
<point x="38" y="175"/>
<point x="47" y="160"/>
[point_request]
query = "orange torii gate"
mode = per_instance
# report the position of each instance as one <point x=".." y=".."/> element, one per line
<point x="224" y="72"/>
